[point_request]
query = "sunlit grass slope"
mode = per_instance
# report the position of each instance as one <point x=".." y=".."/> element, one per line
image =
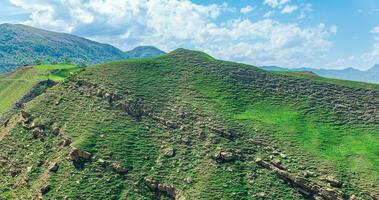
<point x="13" y="86"/>
<point x="196" y="126"/>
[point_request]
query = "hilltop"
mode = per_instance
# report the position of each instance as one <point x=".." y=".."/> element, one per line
<point x="144" y="52"/>
<point x="21" y="44"/>
<point x="188" y="126"/>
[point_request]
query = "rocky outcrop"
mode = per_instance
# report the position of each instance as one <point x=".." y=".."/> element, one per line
<point x="308" y="189"/>
<point x="160" y="189"/>
<point x="223" y="132"/>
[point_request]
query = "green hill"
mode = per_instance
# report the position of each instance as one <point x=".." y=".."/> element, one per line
<point x="21" y="44"/>
<point x="144" y="52"/>
<point x="26" y="82"/>
<point x="187" y="126"/>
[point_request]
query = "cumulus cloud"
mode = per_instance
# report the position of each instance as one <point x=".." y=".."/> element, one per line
<point x="276" y="3"/>
<point x="268" y="14"/>
<point x="247" y="9"/>
<point x="169" y="24"/>
<point x="372" y="57"/>
<point x="305" y="9"/>
<point x="288" y="9"/>
<point x="283" y="6"/>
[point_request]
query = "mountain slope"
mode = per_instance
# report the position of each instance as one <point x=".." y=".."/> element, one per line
<point x="20" y="44"/>
<point x="26" y="82"/>
<point x="187" y="126"/>
<point x="144" y="52"/>
<point x="371" y="75"/>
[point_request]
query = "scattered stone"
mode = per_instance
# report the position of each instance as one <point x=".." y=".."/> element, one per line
<point x="45" y="189"/>
<point x="53" y="167"/>
<point x="101" y="161"/>
<point x="168" y="189"/>
<point x="188" y="180"/>
<point x="227" y="156"/>
<point x="201" y="135"/>
<point x="332" y="181"/>
<point x="251" y="178"/>
<point x="224" y="156"/>
<point x="261" y="194"/>
<point x="25" y="114"/>
<point x="119" y="169"/>
<point x="169" y="152"/>
<point x="65" y="142"/>
<point x="186" y="140"/>
<point x="308" y="174"/>
<point x="282" y="155"/>
<point x="353" y="197"/>
<point x="78" y="155"/>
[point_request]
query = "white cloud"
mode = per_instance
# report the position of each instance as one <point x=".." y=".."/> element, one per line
<point x="276" y="3"/>
<point x="375" y="30"/>
<point x="372" y="57"/>
<point x="268" y="14"/>
<point x="289" y="9"/>
<point x="305" y="9"/>
<point x="169" y="24"/>
<point x="247" y="9"/>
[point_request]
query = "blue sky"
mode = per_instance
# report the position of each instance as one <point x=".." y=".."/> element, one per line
<point x="292" y="33"/>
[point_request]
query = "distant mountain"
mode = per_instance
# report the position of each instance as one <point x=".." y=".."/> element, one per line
<point x="144" y="52"/>
<point x="21" y="44"/>
<point x="370" y="75"/>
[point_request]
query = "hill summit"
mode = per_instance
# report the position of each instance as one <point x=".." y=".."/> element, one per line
<point x="188" y="126"/>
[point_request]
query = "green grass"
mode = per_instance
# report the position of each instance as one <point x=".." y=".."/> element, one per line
<point x="344" y="145"/>
<point x="14" y="85"/>
<point x="288" y="113"/>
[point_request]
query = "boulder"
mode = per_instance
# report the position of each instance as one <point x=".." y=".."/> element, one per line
<point x="169" y="152"/>
<point x="65" y="142"/>
<point x="170" y="190"/>
<point x="78" y="155"/>
<point x="332" y="181"/>
<point x="53" y="167"/>
<point x="25" y="114"/>
<point x="38" y="133"/>
<point x="45" y="189"/>
<point x="224" y="156"/>
<point x="119" y="169"/>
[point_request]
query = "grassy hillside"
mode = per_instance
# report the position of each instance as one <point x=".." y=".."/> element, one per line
<point x="187" y="126"/>
<point x="15" y="85"/>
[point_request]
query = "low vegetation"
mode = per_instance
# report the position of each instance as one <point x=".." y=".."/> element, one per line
<point x="15" y="85"/>
<point x="187" y="126"/>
